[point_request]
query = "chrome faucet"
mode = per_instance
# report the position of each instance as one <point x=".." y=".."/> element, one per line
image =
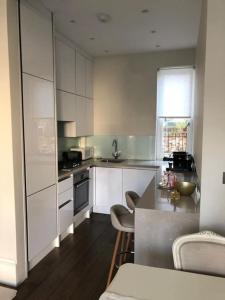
<point x="116" y="153"/>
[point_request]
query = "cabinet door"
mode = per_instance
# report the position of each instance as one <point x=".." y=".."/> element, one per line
<point x="89" y="79"/>
<point x="65" y="106"/>
<point x="65" y="67"/>
<point x="65" y="210"/>
<point x="39" y="127"/>
<point x="80" y="74"/>
<point x="136" y="180"/>
<point x="36" y="42"/>
<point x="81" y="116"/>
<point x="108" y="189"/>
<point x="89" y="117"/>
<point x="41" y="220"/>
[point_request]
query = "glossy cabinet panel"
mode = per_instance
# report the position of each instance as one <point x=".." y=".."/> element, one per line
<point x="108" y="191"/>
<point x="89" y="79"/>
<point x="39" y="129"/>
<point x="36" y="41"/>
<point x="80" y="74"/>
<point x="84" y="116"/>
<point x="65" y="67"/>
<point x="66" y="104"/>
<point x="41" y="220"/>
<point x="136" y="180"/>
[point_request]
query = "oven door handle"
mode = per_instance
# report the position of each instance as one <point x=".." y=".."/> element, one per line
<point x="82" y="183"/>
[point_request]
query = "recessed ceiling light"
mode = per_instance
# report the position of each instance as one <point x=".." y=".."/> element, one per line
<point x="153" y="31"/>
<point x="157" y="46"/>
<point x="145" y="11"/>
<point x="72" y="21"/>
<point x="103" y="17"/>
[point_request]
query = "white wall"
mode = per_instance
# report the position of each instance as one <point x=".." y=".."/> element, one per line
<point x="199" y="91"/>
<point x="210" y="153"/>
<point x="213" y="146"/>
<point x="125" y="90"/>
<point x="12" y="212"/>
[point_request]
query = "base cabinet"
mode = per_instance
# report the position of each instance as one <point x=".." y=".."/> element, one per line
<point x="108" y="187"/>
<point x="65" y="202"/>
<point x="41" y="220"/>
<point x="136" y="180"/>
<point x="111" y="185"/>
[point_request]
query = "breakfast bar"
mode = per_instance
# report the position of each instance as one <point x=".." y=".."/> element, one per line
<point x="159" y="221"/>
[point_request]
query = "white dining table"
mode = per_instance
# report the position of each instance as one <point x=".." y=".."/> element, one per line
<point x="134" y="281"/>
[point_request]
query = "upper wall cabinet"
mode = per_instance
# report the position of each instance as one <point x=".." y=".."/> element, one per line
<point x="65" y="106"/>
<point x="36" y="41"/>
<point x="65" y="67"/>
<point x="89" y="79"/>
<point x="80" y="74"/>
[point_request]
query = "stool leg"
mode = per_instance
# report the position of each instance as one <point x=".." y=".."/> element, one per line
<point x="114" y="257"/>
<point x="129" y="235"/>
<point x="122" y="248"/>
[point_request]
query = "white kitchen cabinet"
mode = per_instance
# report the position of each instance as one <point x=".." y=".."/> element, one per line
<point x="136" y="180"/>
<point x="66" y="106"/>
<point x="65" y="67"/>
<point x="41" y="220"/>
<point x="108" y="185"/>
<point x="80" y="74"/>
<point x="36" y="42"/>
<point x="89" y="117"/>
<point x="89" y="79"/>
<point x="84" y="116"/>
<point x="39" y="133"/>
<point x="65" y="203"/>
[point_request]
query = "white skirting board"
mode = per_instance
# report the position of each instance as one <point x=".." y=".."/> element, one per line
<point x="8" y="272"/>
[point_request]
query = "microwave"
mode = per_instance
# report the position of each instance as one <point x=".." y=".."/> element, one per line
<point x="86" y="152"/>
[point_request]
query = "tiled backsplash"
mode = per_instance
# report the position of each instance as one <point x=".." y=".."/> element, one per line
<point x="131" y="147"/>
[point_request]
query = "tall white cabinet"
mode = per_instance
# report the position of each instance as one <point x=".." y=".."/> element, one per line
<point x="39" y="128"/>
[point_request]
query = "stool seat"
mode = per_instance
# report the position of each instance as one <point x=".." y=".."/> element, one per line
<point x="121" y="218"/>
<point x="132" y="199"/>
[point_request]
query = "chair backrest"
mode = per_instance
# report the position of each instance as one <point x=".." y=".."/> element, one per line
<point x="116" y="211"/>
<point x="202" y="252"/>
<point x="132" y="199"/>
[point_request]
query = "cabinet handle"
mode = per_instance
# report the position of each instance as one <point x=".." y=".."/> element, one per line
<point x="65" y="203"/>
<point x="82" y="183"/>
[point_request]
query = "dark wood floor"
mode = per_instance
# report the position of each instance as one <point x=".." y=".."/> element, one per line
<point x="78" y="269"/>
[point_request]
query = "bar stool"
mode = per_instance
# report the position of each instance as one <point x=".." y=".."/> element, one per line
<point x="132" y="199"/>
<point x="123" y="221"/>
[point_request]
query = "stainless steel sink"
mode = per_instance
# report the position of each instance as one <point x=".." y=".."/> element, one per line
<point x="112" y="160"/>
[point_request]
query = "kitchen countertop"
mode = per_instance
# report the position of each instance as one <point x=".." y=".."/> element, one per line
<point x="153" y="197"/>
<point x="159" y="199"/>
<point x="126" y="164"/>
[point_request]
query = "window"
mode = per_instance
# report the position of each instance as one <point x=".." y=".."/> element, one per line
<point x="174" y="110"/>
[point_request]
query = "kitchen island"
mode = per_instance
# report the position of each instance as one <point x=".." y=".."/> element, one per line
<point x="159" y="221"/>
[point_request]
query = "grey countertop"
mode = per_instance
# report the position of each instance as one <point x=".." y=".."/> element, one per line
<point x="127" y="163"/>
<point x="158" y="199"/>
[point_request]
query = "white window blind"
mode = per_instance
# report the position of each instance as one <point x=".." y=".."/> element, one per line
<point x="175" y="92"/>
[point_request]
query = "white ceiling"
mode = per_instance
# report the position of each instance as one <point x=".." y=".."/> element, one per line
<point x="176" y="23"/>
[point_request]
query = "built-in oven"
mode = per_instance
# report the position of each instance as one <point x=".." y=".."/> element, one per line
<point x="81" y="190"/>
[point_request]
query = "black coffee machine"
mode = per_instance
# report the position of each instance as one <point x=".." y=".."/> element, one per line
<point x="181" y="161"/>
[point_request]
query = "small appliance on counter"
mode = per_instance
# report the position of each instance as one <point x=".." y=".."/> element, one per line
<point x="86" y="152"/>
<point x="70" y="160"/>
<point x="181" y="161"/>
